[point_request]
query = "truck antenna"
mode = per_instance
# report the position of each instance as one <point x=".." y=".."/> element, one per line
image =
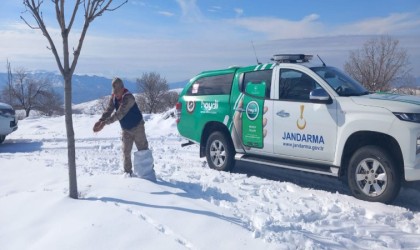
<point x="255" y="52"/>
<point x="323" y="64"/>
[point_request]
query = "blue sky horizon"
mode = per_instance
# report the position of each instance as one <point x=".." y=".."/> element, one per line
<point x="180" y="38"/>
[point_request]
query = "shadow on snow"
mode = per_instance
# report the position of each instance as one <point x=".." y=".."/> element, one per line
<point x="407" y="198"/>
<point x="20" y="146"/>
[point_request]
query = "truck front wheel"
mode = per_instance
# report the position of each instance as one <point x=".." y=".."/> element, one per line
<point x="373" y="176"/>
<point x="220" y="152"/>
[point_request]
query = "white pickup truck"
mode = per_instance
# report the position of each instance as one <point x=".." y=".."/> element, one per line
<point x="8" y="121"/>
<point x="297" y="115"/>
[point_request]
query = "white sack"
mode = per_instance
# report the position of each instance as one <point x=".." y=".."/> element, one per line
<point x="143" y="165"/>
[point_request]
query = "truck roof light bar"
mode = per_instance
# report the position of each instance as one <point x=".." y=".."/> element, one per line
<point x="291" y="58"/>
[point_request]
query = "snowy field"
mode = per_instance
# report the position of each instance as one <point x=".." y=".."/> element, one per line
<point x="190" y="206"/>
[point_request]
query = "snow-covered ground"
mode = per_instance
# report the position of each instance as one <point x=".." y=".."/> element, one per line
<point x="190" y="206"/>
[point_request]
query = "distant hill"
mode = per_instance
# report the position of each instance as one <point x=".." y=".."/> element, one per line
<point x="178" y="85"/>
<point x="86" y="88"/>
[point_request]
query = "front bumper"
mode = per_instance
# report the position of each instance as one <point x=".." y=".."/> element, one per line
<point x="8" y="125"/>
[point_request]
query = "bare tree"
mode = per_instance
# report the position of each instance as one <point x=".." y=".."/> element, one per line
<point x="25" y="91"/>
<point x="154" y="96"/>
<point x="378" y="64"/>
<point x="141" y="102"/>
<point x="8" y="94"/>
<point x="153" y="89"/>
<point x="92" y="10"/>
<point x="28" y="92"/>
<point x="406" y="85"/>
<point x="170" y="100"/>
<point x="50" y="103"/>
<point x="167" y="101"/>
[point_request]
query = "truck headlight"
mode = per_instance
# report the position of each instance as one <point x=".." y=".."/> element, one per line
<point x="409" y="117"/>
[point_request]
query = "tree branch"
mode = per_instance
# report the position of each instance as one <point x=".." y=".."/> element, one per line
<point x="73" y="15"/>
<point x="93" y="9"/>
<point x="36" y="15"/>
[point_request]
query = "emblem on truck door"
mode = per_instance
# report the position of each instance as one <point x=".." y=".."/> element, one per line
<point x="190" y="106"/>
<point x="301" y="122"/>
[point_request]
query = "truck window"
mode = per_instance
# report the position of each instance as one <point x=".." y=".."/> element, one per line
<point x="258" y="77"/>
<point x="212" y="85"/>
<point x="295" y="85"/>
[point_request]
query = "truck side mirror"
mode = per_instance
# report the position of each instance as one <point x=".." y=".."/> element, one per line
<point x="320" y="96"/>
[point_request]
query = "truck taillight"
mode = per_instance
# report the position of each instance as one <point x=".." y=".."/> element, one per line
<point x="178" y="108"/>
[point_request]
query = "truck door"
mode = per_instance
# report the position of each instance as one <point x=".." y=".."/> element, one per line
<point x="303" y="128"/>
<point x="254" y="103"/>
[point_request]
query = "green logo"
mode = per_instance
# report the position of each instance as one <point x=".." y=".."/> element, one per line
<point x="252" y="110"/>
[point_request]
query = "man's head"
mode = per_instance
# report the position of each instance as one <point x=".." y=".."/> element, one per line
<point x="117" y="86"/>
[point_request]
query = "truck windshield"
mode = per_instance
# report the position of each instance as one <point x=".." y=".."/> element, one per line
<point x="343" y="84"/>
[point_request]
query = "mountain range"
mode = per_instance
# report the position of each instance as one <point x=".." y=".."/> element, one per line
<point x="85" y="87"/>
<point x="91" y="87"/>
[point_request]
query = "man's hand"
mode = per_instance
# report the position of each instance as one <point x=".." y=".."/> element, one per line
<point x="99" y="125"/>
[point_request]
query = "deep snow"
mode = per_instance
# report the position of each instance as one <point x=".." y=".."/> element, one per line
<point x="190" y="207"/>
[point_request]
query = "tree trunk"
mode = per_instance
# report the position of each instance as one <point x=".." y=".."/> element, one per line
<point x="71" y="148"/>
<point x="93" y="9"/>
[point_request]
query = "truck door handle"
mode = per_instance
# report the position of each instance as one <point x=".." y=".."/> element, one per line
<point x="283" y="113"/>
<point x="240" y="110"/>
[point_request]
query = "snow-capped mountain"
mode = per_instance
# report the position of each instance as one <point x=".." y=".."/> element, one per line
<point x="85" y="87"/>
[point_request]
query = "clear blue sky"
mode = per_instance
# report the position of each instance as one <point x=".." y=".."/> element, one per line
<point x="179" y="38"/>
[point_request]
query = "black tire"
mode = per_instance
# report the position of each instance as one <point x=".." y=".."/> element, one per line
<point x="220" y="152"/>
<point x="373" y="175"/>
<point x="2" y="138"/>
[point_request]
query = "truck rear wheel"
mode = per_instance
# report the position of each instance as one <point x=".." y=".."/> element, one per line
<point x="373" y="175"/>
<point x="220" y="152"/>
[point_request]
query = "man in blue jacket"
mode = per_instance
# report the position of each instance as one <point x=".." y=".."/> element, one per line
<point x="122" y="106"/>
